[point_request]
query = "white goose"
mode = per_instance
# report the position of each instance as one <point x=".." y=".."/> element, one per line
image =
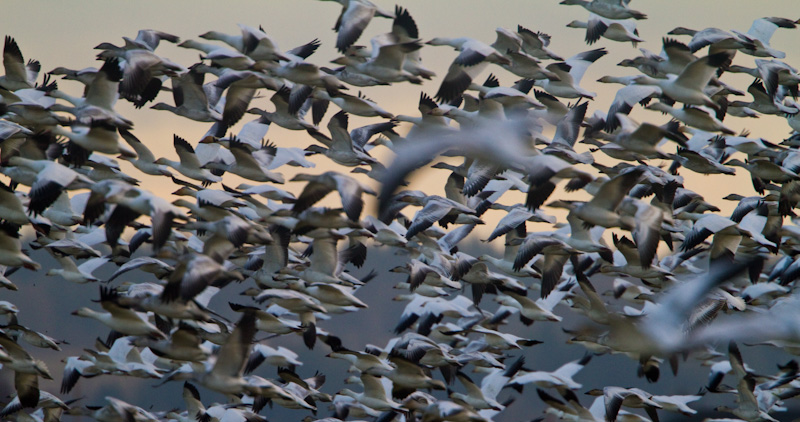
<point x="188" y="165"/>
<point x="569" y="75"/>
<point x="688" y="86"/>
<point x="120" y="318"/>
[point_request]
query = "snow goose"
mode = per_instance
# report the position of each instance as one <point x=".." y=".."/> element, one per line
<point x="434" y="208"/>
<point x="302" y="73"/>
<point x="225" y="376"/>
<point x="353" y="19"/>
<point x="194" y="274"/>
<point x="535" y="44"/>
<point x="506" y="263"/>
<point x="184" y="344"/>
<point x="325" y="265"/>
<point x="118" y="410"/>
<point x="408" y="376"/>
<point x="188" y="165"/>
<point x="144" y="160"/>
<point x="120" y="318"/>
<point x="282" y="116"/>
<point x="280" y="357"/>
<point x="386" y="63"/>
<point x="473" y="58"/>
<point x="522" y="64"/>
<point x="544" y="171"/>
<point x="762" y="170"/>
<point x="529" y="310"/>
<point x="366" y="363"/>
<point x="481" y="279"/>
<point x="616" y="397"/>
<point x="350" y="77"/>
<point x="27" y="371"/>
<point x="556" y="253"/>
<point x="99" y="98"/>
<point x="474" y="397"/>
<point x="612" y="29"/>
<point x="131" y="203"/>
<point x="688" y="86"/>
<point x="299" y="303"/>
<point x="251" y="164"/>
<point x="716" y="38"/>
<point x="99" y="137"/>
<point x="611" y="9"/>
<point x="625" y="99"/>
<point x="11" y="207"/>
<point x="693" y="117"/>
<point x="74" y="273"/>
<point x="764" y="103"/>
<point x="569" y="74"/>
<point x="702" y="162"/>
<point x="142" y="71"/>
<point x="510" y="97"/>
<point x="358" y="105"/>
<point x="774" y="73"/>
<point x="644" y="138"/>
<point x="190" y="98"/>
<point x="757" y="37"/>
<point x="253" y="42"/>
<point x="572" y="409"/>
<point x="52" y="179"/>
<point x="268" y="322"/>
<point x="374" y="395"/>
<point x="221" y="56"/>
<point x="17" y="74"/>
<point x="601" y="209"/>
<point x="47" y="403"/>
<point x="674" y="57"/>
<point x="350" y="191"/>
<point x="560" y="379"/>
<point x="341" y="148"/>
<point x="404" y="29"/>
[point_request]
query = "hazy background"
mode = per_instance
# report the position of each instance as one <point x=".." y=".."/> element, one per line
<point x="64" y="34"/>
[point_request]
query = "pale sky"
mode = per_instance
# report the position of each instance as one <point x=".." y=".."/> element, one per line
<point x="64" y="34"/>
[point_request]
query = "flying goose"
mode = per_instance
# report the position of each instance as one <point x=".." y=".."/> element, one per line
<point x="386" y="63"/>
<point x="473" y="58"/>
<point x="694" y="117"/>
<point x="18" y="75"/>
<point x="616" y="397"/>
<point x="189" y="165"/>
<point x="601" y="209"/>
<point x="225" y="376"/>
<point x="341" y="146"/>
<point x="141" y="72"/>
<point x="612" y="29"/>
<point x="349" y="190"/>
<point x="190" y="98"/>
<point x="611" y="9"/>
<point x="255" y="43"/>
<point x="52" y="178"/>
<point x="358" y="105"/>
<point x="569" y="73"/>
<point x="143" y="160"/>
<point x="251" y="164"/>
<point x="688" y="87"/>
<point x="353" y="19"/>
<point x="120" y="318"/>
<point x="535" y="44"/>
<point x="374" y="395"/>
<point x="27" y="371"/>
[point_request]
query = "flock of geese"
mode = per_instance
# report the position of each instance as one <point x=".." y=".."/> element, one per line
<point x="684" y="281"/>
